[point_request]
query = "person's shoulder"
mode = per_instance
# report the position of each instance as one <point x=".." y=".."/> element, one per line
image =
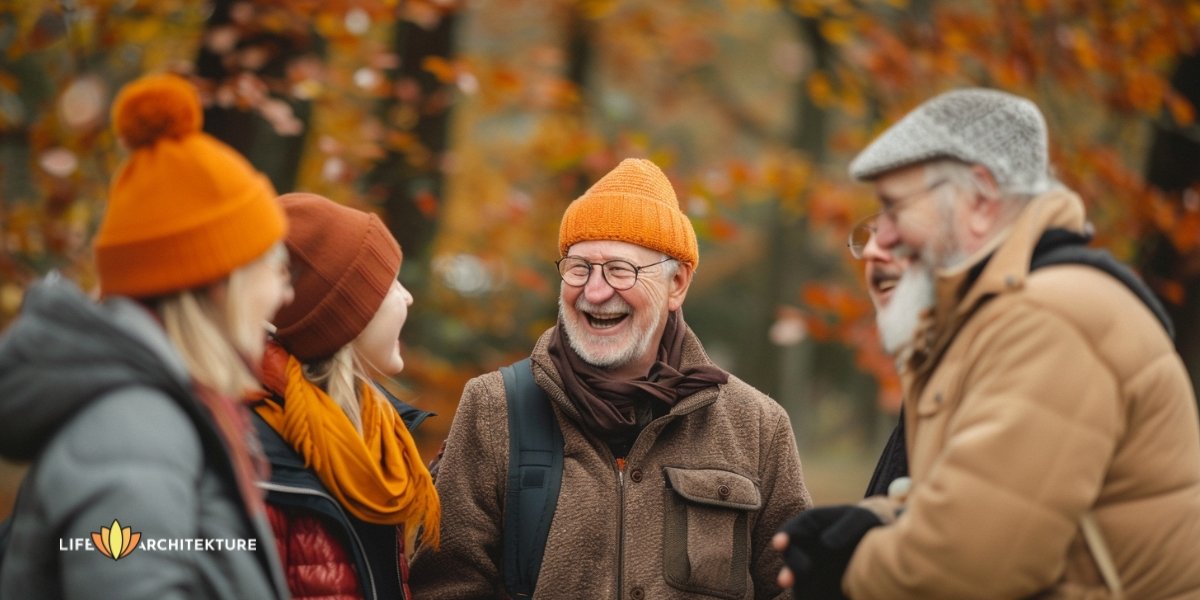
<point x="749" y="397"/>
<point x="130" y="420"/>
<point x="118" y="440"/>
<point x="1065" y="284"/>
<point x="1085" y="299"/>
<point x="483" y="402"/>
<point x="486" y="390"/>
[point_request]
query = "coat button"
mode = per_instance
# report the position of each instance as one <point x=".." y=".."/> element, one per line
<point x="635" y="475"/>
<point x="637" y="593"/>
<point x="723" y="491"/>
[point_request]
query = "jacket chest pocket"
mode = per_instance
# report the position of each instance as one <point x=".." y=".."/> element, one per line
<point x="933" y="410"/>
<point x="706" y="531"/>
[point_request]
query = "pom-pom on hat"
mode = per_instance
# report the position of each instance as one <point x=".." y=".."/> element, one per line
<point x="343" y="264"/>
<point x="1003" y="132"/>
<point x="633" y="203"/>
<point x="185" y="210"/>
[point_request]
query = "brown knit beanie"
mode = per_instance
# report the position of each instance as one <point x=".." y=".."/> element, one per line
<point x="185" y="210"/>
<point x="343" y="264"/>
<point x="633" y="203"/>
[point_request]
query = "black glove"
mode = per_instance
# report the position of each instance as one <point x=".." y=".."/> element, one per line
<point x="820" y="544"/>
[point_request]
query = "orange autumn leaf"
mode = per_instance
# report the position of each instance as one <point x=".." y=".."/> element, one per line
<point x="838" y="32"/>
<point x="427" y="203"/>
<point x="820" y="89"/>
<point x="441" y="68"/>
<point x="1181" y="110"/>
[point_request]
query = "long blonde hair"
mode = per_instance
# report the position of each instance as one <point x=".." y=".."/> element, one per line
<point x="342" y="377"/>
<point x="216" y="347"/>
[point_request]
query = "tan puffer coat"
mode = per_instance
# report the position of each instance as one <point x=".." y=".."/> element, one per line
<point x="1035" y="399"/>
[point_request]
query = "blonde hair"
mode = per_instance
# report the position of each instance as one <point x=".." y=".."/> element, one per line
<point x="342" y="377"/>
<point x="215" y="339"/>
<point x="195" y="325"/>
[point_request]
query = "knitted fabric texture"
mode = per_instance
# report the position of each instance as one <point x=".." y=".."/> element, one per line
<point x="1000" y="131"/>
<point x="633" y="203"/>
<point x="343" y="264"/>
<point x="185" y="210"/>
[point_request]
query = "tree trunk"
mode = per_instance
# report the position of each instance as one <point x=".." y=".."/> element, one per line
<point x="1173" y="166"/>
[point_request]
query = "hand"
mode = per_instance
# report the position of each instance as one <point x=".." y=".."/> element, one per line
<point x="817" y="545"/>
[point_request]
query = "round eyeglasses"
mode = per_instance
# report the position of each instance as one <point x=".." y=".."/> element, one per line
<point x="619" y="274"/>
<point x="861" y="235"/>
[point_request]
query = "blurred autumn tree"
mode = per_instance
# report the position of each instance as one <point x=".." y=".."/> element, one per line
<point x="470" y="126"/>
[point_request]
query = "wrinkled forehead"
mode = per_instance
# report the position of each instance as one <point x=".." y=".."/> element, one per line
<point x="594" y="250"/>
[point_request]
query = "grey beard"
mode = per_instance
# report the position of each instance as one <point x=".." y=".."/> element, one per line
<point x="897" y="322"/>
<point x="605" y="360"/>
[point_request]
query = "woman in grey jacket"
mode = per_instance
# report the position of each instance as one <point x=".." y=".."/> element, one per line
<point x="142" y="482"/>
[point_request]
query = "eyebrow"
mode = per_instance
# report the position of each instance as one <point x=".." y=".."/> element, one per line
<point x="894" y="198"/>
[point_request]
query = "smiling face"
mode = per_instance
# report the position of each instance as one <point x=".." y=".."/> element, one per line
<point x="620" y="330"/>
<point x="378" y="345"/>
<point x="883" y="271"/>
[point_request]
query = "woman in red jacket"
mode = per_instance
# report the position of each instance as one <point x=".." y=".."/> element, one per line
<point x="349" y="493"/>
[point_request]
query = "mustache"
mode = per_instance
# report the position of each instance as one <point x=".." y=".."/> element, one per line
<point x="612" y="305"/>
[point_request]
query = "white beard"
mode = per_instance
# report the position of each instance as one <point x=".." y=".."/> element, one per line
<point x="913" y="295"/>
<point x="607" y="353"/>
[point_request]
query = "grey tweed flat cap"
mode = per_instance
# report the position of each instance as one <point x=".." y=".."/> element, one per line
<point x="1003" y="132"/>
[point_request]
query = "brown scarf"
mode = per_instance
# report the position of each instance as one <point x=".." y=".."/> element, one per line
<point x="609" y="406"/>
<point x="377" y="475"/>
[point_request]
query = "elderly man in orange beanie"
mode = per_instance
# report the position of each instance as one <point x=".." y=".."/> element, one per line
<point x="671" y="474"/>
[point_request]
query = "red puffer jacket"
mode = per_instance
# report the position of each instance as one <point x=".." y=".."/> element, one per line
<point x="316" y="562"/>
<point x="326" y="552"/>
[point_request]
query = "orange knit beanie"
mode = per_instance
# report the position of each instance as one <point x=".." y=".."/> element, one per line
<point x="633" y="203"/>
<point x="344" y="261"/>
<point x="185" y="210"/>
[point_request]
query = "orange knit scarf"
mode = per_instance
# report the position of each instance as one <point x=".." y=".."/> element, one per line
<point x="377" y="476"/>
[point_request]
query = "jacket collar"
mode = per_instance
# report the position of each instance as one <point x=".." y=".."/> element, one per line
<point x="548" y="378"/>
<point x="1000" y="267"/>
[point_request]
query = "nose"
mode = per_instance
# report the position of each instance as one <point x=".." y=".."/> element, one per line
<point x="886" y="237"/>
<point x="873" y="252"/>
<point x="407" y="295"/>
<point x="596" y="290"/>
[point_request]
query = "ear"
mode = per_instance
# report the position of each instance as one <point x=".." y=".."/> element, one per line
<point x="986" y="204"/>
<point x="680" y="283"/>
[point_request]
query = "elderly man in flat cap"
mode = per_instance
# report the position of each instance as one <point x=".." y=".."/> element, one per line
<point x="675" y="474"/>
<point x="1052" y="432"/>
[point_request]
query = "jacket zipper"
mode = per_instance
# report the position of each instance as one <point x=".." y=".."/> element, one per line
<point x="620" y="463"/>
<point x="362" y="551"/>
<point x="619" y="466"/>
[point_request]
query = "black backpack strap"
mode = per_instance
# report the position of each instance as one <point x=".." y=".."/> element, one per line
<point x="535" y="464"/>
<point x="5" y="533"/>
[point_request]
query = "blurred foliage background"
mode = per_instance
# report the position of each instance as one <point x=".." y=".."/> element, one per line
<point x="469" y="126"/>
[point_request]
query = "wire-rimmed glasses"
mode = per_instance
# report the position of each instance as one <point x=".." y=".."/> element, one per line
<point x="619" y="274"/>
<point x="861" y="235"/>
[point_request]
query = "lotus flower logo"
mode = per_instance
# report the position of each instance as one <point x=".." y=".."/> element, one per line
<point x="116" y="542"/>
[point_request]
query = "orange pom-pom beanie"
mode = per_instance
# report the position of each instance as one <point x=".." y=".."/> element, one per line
<point x="633" y="203"/>
<point x="344" y="261"/>
<point x="185" y="210"/>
